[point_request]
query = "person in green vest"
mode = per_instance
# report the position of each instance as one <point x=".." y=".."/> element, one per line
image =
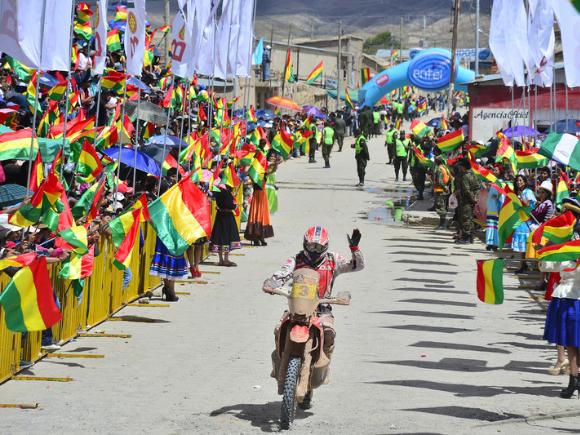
<point x="327" y="143"/>
<point x="390" y="142"/>
<point x="361" y="155"/>
<point x="399" y="109"/>
<point x="376" y="122"/>
<point x="402" y="146"/>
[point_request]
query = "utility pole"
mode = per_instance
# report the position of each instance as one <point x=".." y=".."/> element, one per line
<point x="401" y="35"/>
<point x="285" y="63"/>
<point x="166" y="14"/>
<point x="453" y="55"/>
<point x="424" y="38"/>
<point x="476" y="38"/>
<point x="338" y="65"/>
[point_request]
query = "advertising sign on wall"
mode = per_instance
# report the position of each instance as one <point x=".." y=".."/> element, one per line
<point x="485" y="122"/>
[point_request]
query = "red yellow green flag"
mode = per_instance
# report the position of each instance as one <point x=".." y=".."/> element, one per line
<point x="420" y="129"/>
<point x="89" y="163"/>
<point x="450" y="141"/>
<point x="511" y="214"/>
<point x="283" y="143"/>
<point x="78" y="266"/>
<point x="113" y="41"/>
<point x="557" y="230"/>
<point x="490" y="281"/>
<point x="76" y="238"/>
<point x="530" y="159"/>
<point x="348" y="100"/>
<point x="257" y="169"/>
<point x="45" y="198"/>
<point x="316" y="73"/>
<point x="181" y="216"/>
<point x="28" y="301"/>
<point x="288" y="66"/>
<point x="482" y="173"/>
<point x="568" y="251"/>
<point x="505" y="152"/>
<point x="124" y="230"/>
<point x="141" y="203"/>
<point x="365" y="75"/>
<point x="562" y="191"/>
<point x="37" y="174"/>
<point x="16" y="145"/>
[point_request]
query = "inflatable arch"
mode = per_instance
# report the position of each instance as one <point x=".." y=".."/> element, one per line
<point x="429" y="70"/>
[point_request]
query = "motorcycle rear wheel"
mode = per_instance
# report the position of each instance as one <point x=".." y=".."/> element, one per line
<point x="289" y="395"/>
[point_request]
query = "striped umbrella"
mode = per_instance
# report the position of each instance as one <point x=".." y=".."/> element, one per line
<point x="284" y="103"/>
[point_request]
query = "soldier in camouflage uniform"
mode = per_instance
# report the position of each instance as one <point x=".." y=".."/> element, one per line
<point x="468" y="192"/>
<point x="441" y="188"/>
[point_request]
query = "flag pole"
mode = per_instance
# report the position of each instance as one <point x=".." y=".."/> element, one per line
<point x="165" y="136"/>
<point x="115" y="190"/>
<point x="67" y="91"/>
<point x="33" y="132"/>
<point x="136" y="146"/>
<point x="184" y="102"/>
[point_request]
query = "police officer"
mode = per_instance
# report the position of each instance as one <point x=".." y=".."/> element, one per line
<point x="441" y="188"/>
<point x="339" y="130"/>
<point x="327" y="142"/>
<point x="361" y="154"/>
<point x="402" y="146"/>
<point x="468" y="191"/>
<point x="390" y="142"/>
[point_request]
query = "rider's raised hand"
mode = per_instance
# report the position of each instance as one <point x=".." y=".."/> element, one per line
<point x="354" y="239"/>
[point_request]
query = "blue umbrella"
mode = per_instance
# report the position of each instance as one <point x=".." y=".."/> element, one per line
<point x="11" y="194"/>
<point x="265" y="114"/>
<point x="571" y="126"/>
<point x="435" y="122"/>
<point x="144" y="162"/>
<point x="314" y="111"/>
<point x="520" y="131"/>
<point x="138" y="83"/>
<point x="168" y="140"/>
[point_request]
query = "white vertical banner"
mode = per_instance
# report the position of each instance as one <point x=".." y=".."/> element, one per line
<point x="223" y="44"/>
<point x="234" y="37"/>
<point x="498" y="40"/>
<point x="541" y="42"/>
<point x="56" y="46"/>
<point x="21" y="33"/>
<point x="100" y="37"/>
<point x="135" y="38"/>
<point x="182" y="43"/>
<point x="569" y="21"/>
<point x="517" y="31"/>
<point x="246" y="34"/>
<point x="204" y="59"/>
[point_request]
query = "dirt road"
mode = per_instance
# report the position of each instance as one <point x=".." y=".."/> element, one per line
<point x="415" y="351"/>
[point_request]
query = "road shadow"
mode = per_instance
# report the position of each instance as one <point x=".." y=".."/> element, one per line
<point x="430" y="290"/>
<point x="424" y="280"/>
<point x="415" y="253"/>
<point x="465" y="412"/>
<point x="466" y="390"/>
<point x="439" y="302"/>
<point x="264" y="416"/>
<point x="444" y="272"/>
<point x="430" y="328"/>
<point x="458" y="346"/>
<point x="425" y="314"/>
<point x="139" y="319"/>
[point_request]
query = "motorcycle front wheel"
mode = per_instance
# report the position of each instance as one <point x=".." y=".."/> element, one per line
<point x="289" y="395"/>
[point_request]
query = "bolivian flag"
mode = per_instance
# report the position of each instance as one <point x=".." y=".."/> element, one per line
<point x="421" y="129"/>
<point x="490" y="281"/>
<point x="562" y="191"/>
<point x="181" y="216"/>
<point x="16" y="145"/>
<point x="28" y="301"/>
<point x="559" y="229"/>
<point x="450" y="141"/>
<point x="257" y="169"/>
<point x="124" y="230"/>
<point x="347" y="99"/>
<point x="316" y="73"/>
<point x="511" y="214"/>
<point x="568" y="251"/>
<point x="89" y="163"/>
<point x="283" y="143"/>
<point x="530" y="159"/>
<point x="483" y="173"/>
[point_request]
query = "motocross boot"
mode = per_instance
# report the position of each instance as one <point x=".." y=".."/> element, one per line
<point x="307" y="402"/>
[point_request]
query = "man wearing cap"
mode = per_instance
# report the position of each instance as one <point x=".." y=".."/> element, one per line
<point x="468" y="192"/>
<point x="441" y="183"/>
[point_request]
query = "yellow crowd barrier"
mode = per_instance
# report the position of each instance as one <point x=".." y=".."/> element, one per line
<point x="102" y="296"/>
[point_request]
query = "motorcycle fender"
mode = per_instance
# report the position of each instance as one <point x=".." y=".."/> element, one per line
<point x="299" y="333"/>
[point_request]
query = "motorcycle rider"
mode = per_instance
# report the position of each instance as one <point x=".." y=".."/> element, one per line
<point x="329" y="265"/>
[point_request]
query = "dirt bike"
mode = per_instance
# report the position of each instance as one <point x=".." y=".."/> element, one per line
<point x="300" y="364"/>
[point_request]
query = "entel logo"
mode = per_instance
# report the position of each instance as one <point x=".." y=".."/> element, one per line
<point x="430" y="71"/>
<point x="382" y="80"/>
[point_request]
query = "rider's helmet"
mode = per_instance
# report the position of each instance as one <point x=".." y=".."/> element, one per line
<point x="315" y="244"/>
